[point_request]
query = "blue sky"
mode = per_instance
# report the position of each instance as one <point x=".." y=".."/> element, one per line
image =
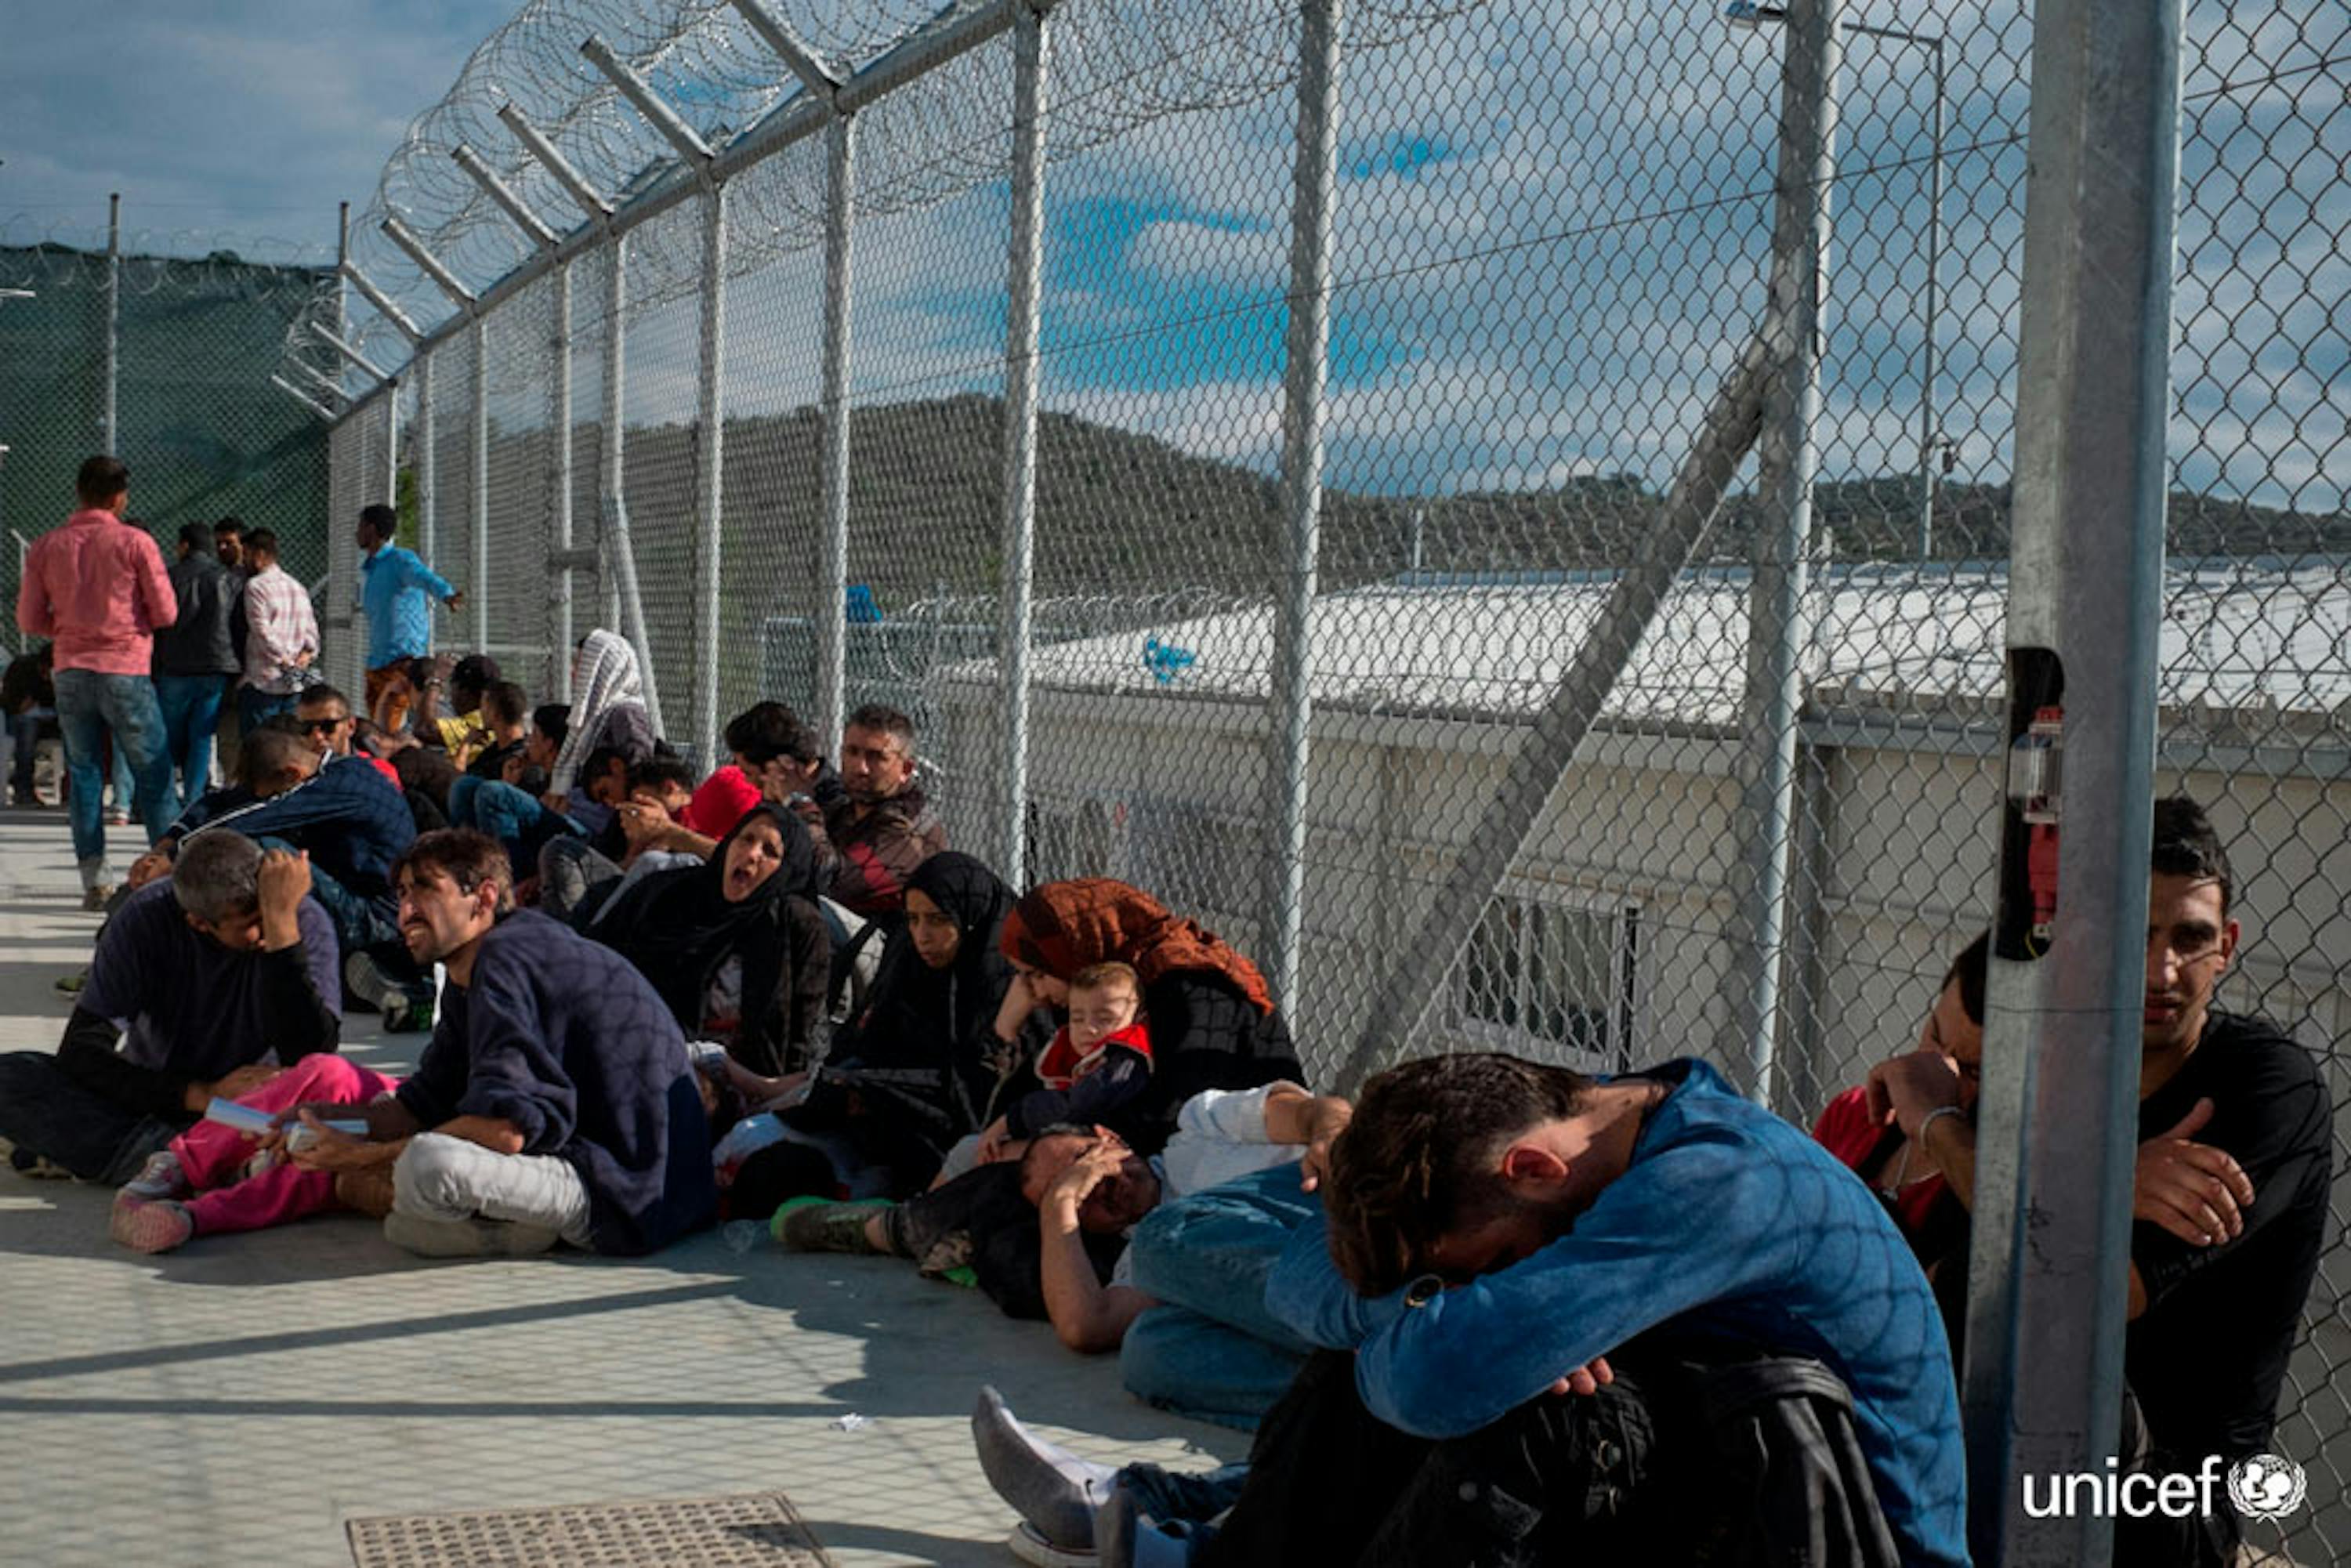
<point x="1552" y="223"/>
<point x="241" y="119"/>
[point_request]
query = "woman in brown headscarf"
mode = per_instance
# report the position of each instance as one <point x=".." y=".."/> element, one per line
<point x="1213" y="1023"/>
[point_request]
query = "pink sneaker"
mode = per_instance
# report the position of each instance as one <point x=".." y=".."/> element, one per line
<point x="146" y="1225"/>
<point x="160" y="1177"/>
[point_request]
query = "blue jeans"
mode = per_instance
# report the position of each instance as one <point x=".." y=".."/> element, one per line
<point x="361" y="922"/>
<point x="90" y="705"/>
<point x="1212" y="1351"/>
<point x="509" y="815"/>
<point x="24" y="736"/>
<point x="190" y="705"/>
<point x="254" y="709"/>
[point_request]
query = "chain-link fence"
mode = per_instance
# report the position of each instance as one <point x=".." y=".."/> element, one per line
<point x="164" y="357"/>
<point x="1380" y="357"/>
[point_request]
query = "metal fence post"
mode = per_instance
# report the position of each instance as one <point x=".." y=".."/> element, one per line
<point x="713" y="419"/>
<point x="391" y="394"/>
<point x="1778" y="616"/>
<point x="109" y="434"/>
<point x="620" y="554"/>
<point x="559" y="653"/>
<point x="2057" y="1123"/>
<point x="1930" y="355"/>
<point x="831" y="607"/>
<point x="1306" y="349"/>
<point x="428" y="467"/>
<point x="477" y="584"/>
<point x="1024" y="268"/>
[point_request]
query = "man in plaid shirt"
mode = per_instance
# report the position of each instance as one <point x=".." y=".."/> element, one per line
<point x="281" y="636"/>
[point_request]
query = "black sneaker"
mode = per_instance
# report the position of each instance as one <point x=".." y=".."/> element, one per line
<point x="406" y="1005"/>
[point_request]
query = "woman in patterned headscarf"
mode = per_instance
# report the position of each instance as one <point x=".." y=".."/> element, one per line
<point x="1213" y="1023"/>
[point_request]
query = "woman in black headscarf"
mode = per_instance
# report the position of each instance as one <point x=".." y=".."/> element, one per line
<point x="735" y="946"/>
<point x="921" y="1067"/>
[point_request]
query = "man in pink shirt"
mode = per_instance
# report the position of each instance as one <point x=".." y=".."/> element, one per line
<point x="100" y="589"/>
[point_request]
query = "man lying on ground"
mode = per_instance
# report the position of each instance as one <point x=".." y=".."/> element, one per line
<point x="1205" y="1221"/>
<point x="1513" y="1229"/>
<point x="555" y="1100"/>
<point x="221" y="972"/>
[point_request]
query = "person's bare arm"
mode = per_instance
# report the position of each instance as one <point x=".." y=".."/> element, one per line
<point x="391" y="1124"/>
<point x="1910" y="1086"/>
<point x="495" y="1134"/>
<point x="1089" y="1316"/>
<point x="1949" y="1142"/>
<point x="1294" y="1116"/>
<point x="679" y="838"/>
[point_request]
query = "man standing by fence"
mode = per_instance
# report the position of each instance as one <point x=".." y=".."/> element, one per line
<point x="99" y="588"/>
<point x="396" y="589"/>
<point x="195" y="658"/>
<point x="281" y="636"/>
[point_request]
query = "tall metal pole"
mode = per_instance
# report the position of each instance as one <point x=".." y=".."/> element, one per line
<point x="620" y="555"/>
<point x="2057" y="1129"/>
<point x="1931" y="369"/>
<point x="392" y="445"/>
<point x="1305" y="371"/>
<point x="831" y="607"/>
<point x="343" y="613"/>
<point x="1024" y="269"/>
<point x="109" y="434"/>
<point x="559" y="585"/>
<point x="1779" y="617"/>
<point x="428" y="466"/>
<point x="477" y="586"/>
<point x="713" y="419"/>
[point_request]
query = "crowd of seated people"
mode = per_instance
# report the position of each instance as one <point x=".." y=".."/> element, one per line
<point x="1455" y="1311"/>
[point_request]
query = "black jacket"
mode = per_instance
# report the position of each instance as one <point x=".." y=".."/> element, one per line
<point x="199" y="642"/>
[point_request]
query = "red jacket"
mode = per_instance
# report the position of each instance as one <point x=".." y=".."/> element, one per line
<point x="100" y="590"/>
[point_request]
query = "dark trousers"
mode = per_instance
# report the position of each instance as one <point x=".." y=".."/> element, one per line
<point x="1328" y="1483"/>
<point x="44" y="1110"/>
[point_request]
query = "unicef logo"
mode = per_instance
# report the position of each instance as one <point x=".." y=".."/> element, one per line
<point x="2265" y="1486"/>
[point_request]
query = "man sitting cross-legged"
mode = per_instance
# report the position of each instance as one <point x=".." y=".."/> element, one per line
<point x="555" y="1100"/>
<point x="1501" y="1232"/>
<point x="219" y="973"/>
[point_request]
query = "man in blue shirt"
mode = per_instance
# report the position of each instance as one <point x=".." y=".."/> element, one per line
<point x="1498" y="1231"/>
<point x="396" y="589"/>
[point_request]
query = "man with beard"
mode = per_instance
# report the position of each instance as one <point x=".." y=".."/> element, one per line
<point x="555" y="1100"/>
<point x="872" y="824"/>
<point x="2228" y="1200"/>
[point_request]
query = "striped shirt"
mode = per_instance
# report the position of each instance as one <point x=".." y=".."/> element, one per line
<point x="279" y="625"/>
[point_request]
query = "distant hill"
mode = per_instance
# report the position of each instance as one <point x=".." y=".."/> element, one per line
<point x="1120" y="514"/>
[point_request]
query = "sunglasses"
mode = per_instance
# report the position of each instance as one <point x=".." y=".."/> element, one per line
<point x="315" y="726"/>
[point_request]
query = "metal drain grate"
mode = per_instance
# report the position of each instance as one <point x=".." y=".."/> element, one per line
<point x="756" y="1531"/>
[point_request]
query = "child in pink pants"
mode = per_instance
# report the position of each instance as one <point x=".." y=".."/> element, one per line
<point x="199" y="1184"/>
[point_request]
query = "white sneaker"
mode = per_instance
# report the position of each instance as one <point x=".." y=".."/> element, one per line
<point x="1028" y="1543"/>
